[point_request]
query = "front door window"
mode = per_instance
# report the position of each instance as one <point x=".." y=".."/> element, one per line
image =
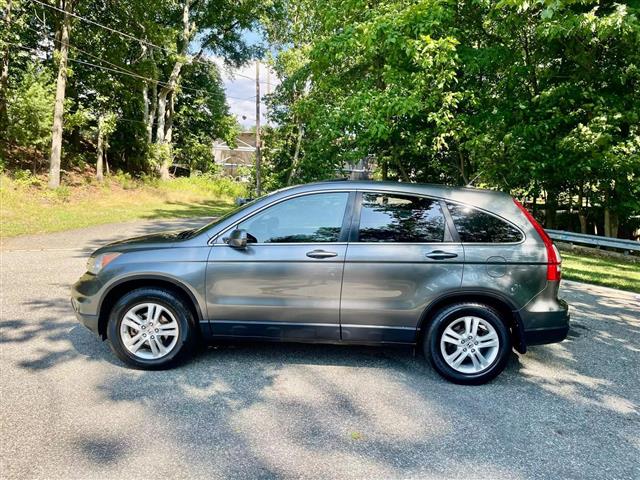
<point x="313" y="218"/>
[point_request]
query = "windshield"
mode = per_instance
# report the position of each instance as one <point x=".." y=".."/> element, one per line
<point x="236" y="210"/>
<point x="226" y="215"/>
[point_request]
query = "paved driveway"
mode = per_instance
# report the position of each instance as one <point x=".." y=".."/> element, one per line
<point x="71" y="410"/>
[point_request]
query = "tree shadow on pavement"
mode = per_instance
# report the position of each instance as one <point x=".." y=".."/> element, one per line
<point x="269" y="410"/>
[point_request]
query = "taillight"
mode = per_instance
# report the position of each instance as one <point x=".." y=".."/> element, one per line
<point x="554" y="270"/>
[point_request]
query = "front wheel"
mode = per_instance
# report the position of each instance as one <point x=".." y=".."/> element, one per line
<point x="468" y="343"/>
<point x="150" y="328"/>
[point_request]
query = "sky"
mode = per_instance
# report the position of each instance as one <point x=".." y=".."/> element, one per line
<point x="240" y="85"/>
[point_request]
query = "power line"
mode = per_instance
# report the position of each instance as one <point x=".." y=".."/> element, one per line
<point x="124" y="71"/>
<point x="24" y="47"/>
<point x="249" y="78"/>
<point x="129" y="36"/>
<point x="92" y="22"/>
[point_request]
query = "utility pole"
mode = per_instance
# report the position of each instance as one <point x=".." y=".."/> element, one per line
<point x="266" y="113"/>
<point x="258" y="152"/>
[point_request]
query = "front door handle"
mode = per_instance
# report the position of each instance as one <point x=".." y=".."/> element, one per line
<point x="441" y="255"/>
<point x="321" y="254"/>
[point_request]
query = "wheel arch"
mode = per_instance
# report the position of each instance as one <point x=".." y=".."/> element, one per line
<point x="122" y="286"/>
<point x="503" y="305"/>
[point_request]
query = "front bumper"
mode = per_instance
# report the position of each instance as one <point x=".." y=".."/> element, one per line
<point x="84" y="301"/>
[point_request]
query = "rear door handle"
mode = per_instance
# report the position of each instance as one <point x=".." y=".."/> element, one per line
<point x="441" y="255"/>
<point x="321" y="254"/>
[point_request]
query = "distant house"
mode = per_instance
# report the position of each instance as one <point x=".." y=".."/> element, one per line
<point x="230" y="159"/>
<point x="360" y="170"/>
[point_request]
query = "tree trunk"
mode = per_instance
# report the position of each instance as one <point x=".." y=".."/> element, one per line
<point x="160" y="134"/>
<point x="145" y="104"/>
<point x="613" y="224"/>
<point x="583" y="222"/>
<point x="162" y="115"/>
<point x="100" y="153"/>
<point x="465" y="180"/>
<point x="550" y="211"/>
<point x="61" y="84"/>
<point x="296" y="154"/>
<point x="152" y="113"/>
<point x="607" y="222"/>
<point x="168" y="136"/>
<point x="403" y="173"/>
<point x="582" y="214"/>
<point x="610" y="223"/>
<point x="169" y="87"/>
<point x="4" y="78"/>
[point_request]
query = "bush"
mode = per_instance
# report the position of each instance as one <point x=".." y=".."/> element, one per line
<point x="29" y="110"/>
<point x="204" y="184"/>
<point x="125" y="180"/>
<point x="24" y="178"/>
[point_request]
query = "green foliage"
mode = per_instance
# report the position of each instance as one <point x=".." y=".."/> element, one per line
<point x="25" y="178"/>
<point x="208" y="184"/>
<point x="536" y="97"/>
<point x="157" y="154"/>
<point x="202" y="116"/>
<point x="125" y="180"/>
<point x="30" y="110"/>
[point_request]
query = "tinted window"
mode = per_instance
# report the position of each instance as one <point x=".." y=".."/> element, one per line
<point x="310" y="218"/>
<point x="400" y="218"/>
<point x="475" y="226"/>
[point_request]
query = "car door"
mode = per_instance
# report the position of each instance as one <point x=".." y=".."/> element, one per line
<point x="286" y="283"/>
<point x="400" y="257"/>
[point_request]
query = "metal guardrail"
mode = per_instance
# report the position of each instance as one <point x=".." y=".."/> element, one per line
<point x="594" y="240"/>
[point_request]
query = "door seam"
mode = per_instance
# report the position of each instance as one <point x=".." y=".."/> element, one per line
<point x="344" y="264"/>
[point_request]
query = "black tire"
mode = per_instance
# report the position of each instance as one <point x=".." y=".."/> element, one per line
<point x="176" y="306"/>
<point x="442" y="319"/>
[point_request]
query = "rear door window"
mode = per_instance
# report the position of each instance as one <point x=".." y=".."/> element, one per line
<point x="476" y="226"/>
<point x="400" y="218"/>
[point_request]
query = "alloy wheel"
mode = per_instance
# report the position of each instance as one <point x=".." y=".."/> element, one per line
<point x="469" y="344"/>
<point x="149" y="331"/>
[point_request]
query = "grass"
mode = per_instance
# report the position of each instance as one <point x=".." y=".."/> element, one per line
<point x="28" y="207"/>
<point x="609" y="272"/>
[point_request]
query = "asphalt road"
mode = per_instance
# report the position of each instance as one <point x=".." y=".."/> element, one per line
<point x="69" y="409"/>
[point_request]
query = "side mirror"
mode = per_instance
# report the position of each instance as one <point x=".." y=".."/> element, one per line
<point x="238" y="239"/>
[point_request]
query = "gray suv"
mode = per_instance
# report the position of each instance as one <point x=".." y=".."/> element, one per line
<point x="465" y="274"/>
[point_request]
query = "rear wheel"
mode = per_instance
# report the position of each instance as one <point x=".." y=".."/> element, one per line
<point x="150" y="328"/>
<point x="468" y="343"/>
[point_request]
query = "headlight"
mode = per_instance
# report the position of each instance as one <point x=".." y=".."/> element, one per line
<point x="97" y="263"/>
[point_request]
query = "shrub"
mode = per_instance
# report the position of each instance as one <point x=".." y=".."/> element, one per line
<point x="29" y="110"/>
<point x="24" y="178"/>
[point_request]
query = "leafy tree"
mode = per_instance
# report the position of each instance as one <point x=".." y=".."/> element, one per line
<point x="539" y="98"/>
<point x="29" y="110"/>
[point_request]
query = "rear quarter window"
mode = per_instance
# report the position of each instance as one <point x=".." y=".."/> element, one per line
<point x="476" y="226"/>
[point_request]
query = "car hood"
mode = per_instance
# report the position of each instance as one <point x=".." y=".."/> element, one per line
<point x="153" y="240"/>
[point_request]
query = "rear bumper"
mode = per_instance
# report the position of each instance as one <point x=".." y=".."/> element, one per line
<point x="545" y="335"/>
<point x="548" y="323"/>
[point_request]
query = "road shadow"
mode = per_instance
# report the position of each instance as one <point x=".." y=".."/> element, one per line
<point x="291" y="410"/>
